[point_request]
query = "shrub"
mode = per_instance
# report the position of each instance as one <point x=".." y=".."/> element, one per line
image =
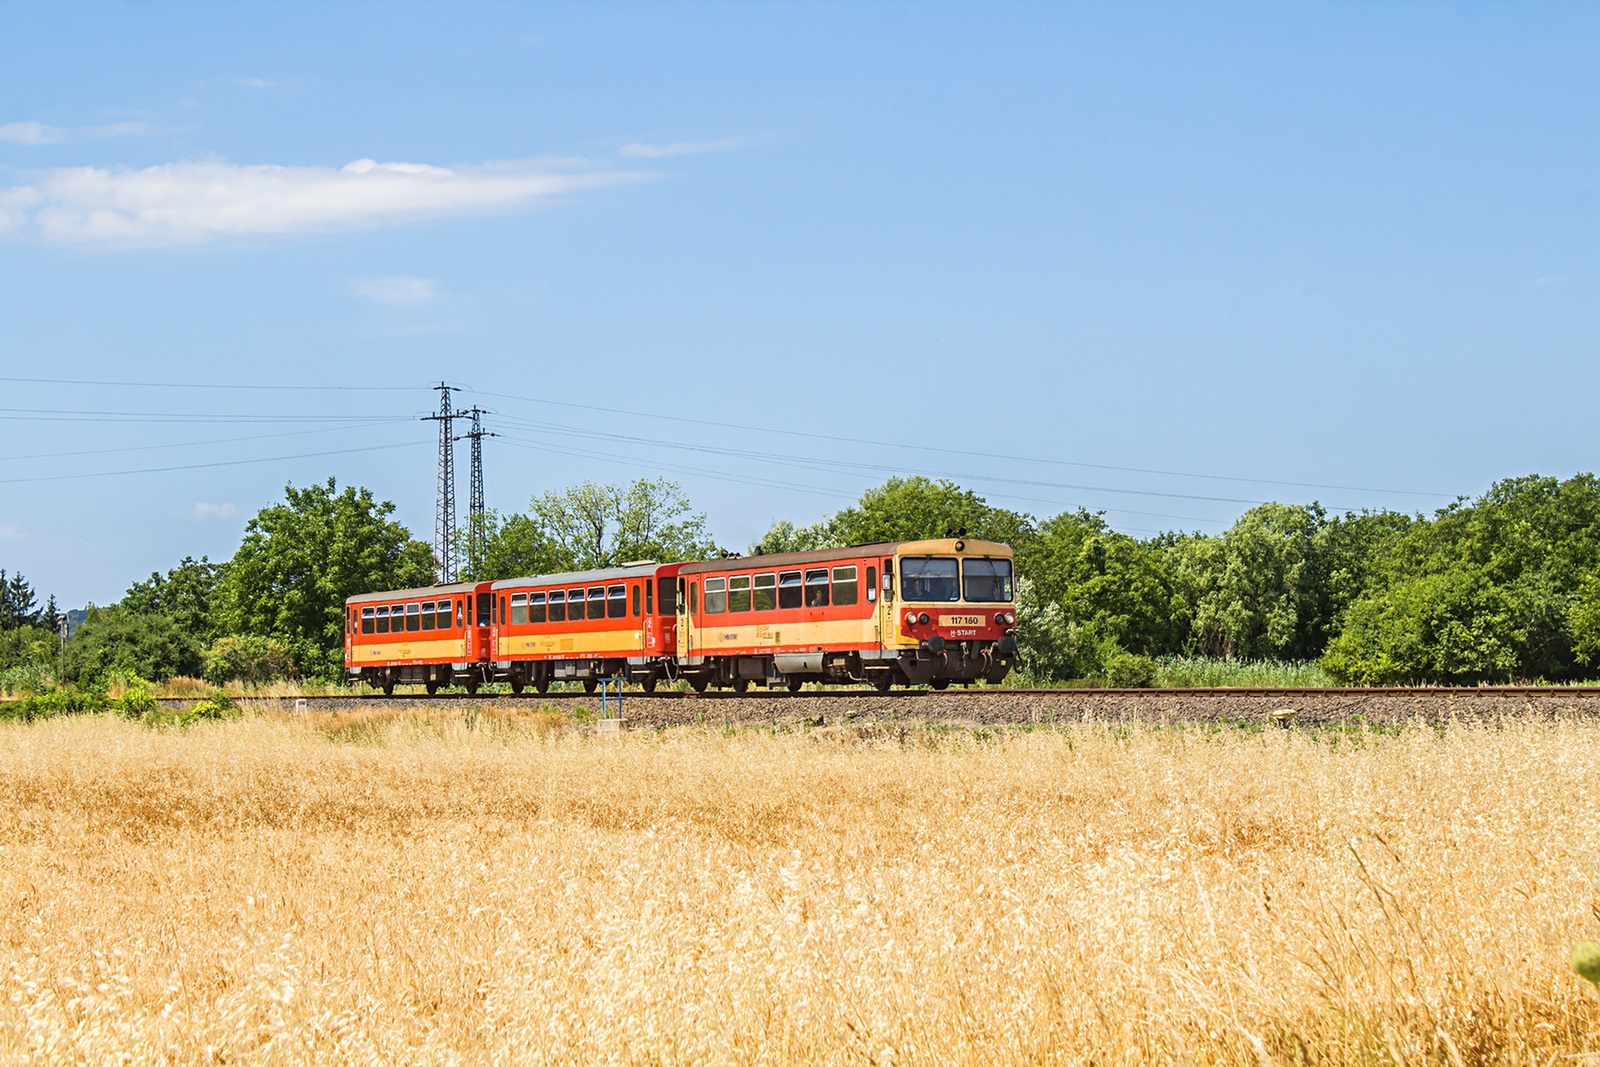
<point x="1128" y="671"/>
<point x="248" y="659"/>
<point x="136" y="704"/>
<point x="54" y="703"/>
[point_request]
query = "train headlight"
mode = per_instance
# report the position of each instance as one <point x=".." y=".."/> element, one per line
<point x="911" y="618"/>
<point x="923" y="618"/>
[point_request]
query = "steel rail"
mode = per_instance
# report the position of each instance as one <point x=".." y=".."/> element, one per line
<point x="941" y="694"/>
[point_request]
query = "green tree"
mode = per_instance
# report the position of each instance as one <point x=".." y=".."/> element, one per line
<point x="1493" y="589"/>
<point x="18" y="603"/>
<point x="785" y="536"/>
<point x="515" y="546"/>
<point x="913" y="509"/>
<point x="1256" y="592"/>
<point x="302" y="558"/>
<point x="184" y="595"/>
<point x="152" y="647"/>
<point x="590" y="526"/>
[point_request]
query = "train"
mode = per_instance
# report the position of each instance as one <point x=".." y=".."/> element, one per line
<point x="929" y="612"/>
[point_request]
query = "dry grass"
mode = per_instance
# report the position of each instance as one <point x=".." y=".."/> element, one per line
<point x="386" y="888"/>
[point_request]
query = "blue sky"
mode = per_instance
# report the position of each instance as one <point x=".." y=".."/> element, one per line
<point x="1343" y="252"/>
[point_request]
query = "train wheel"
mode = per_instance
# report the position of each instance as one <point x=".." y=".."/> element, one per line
<point x="388" y="686"/>
<point x="883" y="681"/>
<point x="698" y="684"/>
<point x="542" y="684"/>
<point x="741" y="684"/>
<point x="588" y="685"/>
<point x="794" y="687"/>
<point x="940" y="683"/>
<point x="432" y="685"/>
<point x="472" y="684"/>
<point x="649" y="684"/>
<point x="517" y="684"/>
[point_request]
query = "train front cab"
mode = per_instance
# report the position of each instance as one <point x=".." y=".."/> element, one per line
<point x="955" y="619"/>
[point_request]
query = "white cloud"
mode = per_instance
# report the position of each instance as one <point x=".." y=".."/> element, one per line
<point x="10" y="532"/>
<point x="396" y="289"/>
<point x="202" y="511"/>
<point x="681" y="148"/>
<point x="32" y="133"/>
<point x="258" y="83"/>
<point x="187" y="203"/>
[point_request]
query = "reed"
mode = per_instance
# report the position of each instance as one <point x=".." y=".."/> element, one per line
<point x="424" y="887"/>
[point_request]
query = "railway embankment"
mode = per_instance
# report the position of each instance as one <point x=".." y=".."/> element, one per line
<point x="1000" y="708"/>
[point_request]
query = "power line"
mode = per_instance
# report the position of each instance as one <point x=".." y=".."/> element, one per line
<point x="208" y="385"/>
<point x="202" y="466"/>
<point x="187" y="444"/>
<point x="952" y="451"/>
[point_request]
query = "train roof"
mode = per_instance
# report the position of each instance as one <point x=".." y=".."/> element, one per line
<point x="944" y="545"/>
<point x="634" y="570"/>
<point x="412" y="594"/>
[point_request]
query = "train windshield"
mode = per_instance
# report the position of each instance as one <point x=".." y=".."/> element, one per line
<point x="929" y="579"/>
<point x="986" y="581"/>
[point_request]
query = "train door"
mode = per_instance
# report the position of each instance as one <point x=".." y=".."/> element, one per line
<point x="686" y="641"/>
<point x="885" y="608"/>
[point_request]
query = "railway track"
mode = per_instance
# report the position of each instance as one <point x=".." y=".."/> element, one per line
<point x="981" y="693"/>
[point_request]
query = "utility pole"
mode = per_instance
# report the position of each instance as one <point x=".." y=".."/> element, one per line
<point x="475" y="532"/>
<point x="444" y="512"/>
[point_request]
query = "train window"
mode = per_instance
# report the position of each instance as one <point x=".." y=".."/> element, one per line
<point x="986" y="581"/>
<point x="888" y="581"/>
<point x="383" y="619"/>
<point x="649" y="596"/>
<point x="485" y="609"/>
<point x="536" y="607"/>
<point x="636" y="601"/>
<point x="817" y="588"/>
<point x="597" y="602"/>
<point x="460" y="622"/>
<point x="845" y="588"/>
<point x="789" y="590"/>
<point x="575" y="605"/>
<point x="739" y="593"/>
<point x="367" y="626"/>
<point x="669" y="596"/>
<point x="427" y="615"/>
<point x="764" y="597"/>
<point x="716" y="595"/>
<point x="413" y="617"/>
<point x="872" y="585"/>
<point x="443" y="614"/>
<point x="616" y="601"/>
<point x="503" y="611"/>
<point x="519" y="608"/>
<point x="558" y="606"/>
<point x="694" y="599"/>
<point x="929" y="579"/>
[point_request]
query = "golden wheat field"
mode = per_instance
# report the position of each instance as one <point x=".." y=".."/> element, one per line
<point x="390" y="888"/>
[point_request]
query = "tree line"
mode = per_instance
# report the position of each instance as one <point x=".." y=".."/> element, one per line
<point x="1499" y="588"/>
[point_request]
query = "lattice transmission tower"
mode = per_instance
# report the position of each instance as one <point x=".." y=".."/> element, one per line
<point x="444" y="511"/>
<point x="475" y="509"/>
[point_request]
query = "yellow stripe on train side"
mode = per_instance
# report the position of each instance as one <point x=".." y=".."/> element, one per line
<point x="710" y="638"/>
<point x="573" y="645"/>
<point x="453" y="650"/>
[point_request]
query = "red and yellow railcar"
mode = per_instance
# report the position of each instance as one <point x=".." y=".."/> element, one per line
<point x="833" y="615"/>
<point x="585" y="626"/>
<point x="434" y="636"/>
